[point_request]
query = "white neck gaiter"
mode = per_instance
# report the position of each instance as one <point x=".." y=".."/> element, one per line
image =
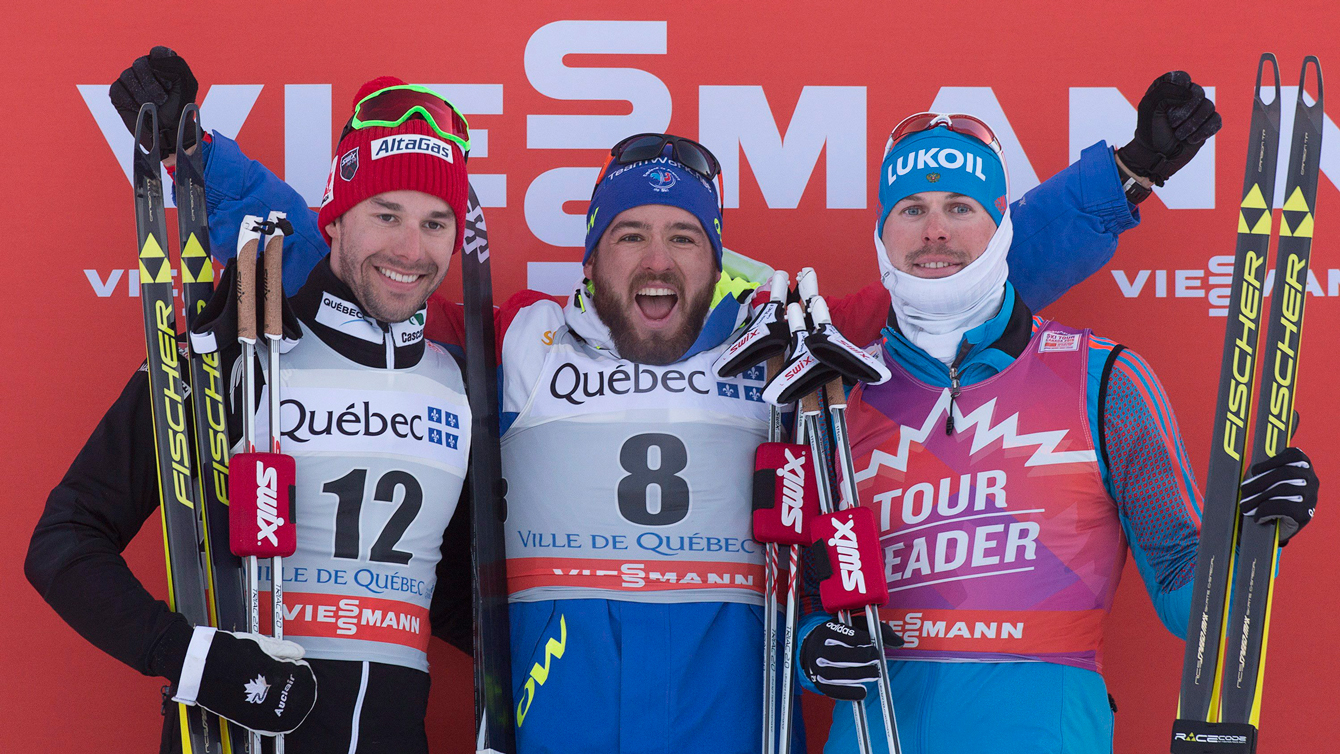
<point x="933" y="314"/>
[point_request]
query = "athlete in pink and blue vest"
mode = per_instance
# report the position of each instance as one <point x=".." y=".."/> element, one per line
<point x="1011" y="463"/>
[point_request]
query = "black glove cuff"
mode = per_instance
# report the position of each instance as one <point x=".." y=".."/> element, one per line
<point x="1135" y="191"/>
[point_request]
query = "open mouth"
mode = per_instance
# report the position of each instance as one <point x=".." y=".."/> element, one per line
<point x="399" y="277"/>
<point x="937" y="268"/>
<point x="656" y="303"/>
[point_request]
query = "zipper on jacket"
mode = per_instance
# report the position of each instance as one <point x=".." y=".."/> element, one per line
<point x="389" y="341"/>
<point x="954" y="383"/>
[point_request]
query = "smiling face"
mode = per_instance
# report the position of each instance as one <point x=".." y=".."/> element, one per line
<point x="653" y="273"/>
<point x="935" y="234"/>
<point x="393" y="250"/>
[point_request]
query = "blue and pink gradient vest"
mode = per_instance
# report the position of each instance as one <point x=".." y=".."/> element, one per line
<point x="1000" y="541"/>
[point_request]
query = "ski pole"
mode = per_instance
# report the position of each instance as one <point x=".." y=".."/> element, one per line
<point x="248" y="243"/>
<point x="273" y="286"/>
<point x="260" y="484"/>
<point x="810" y="413"/>
<point x="837" y="408"/>
<point x="802" y="368"/>
<point x="831" y="348"/>
<point x="770" y="599"/>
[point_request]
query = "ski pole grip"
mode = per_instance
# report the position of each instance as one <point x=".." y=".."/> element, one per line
<point x="273" y="282"/>
<point x="837" y="397"/>
<point x="260" y="495"/>
<point x="248" y="242"/>
<point x="809" y="403"/>
<point x="774" y="365"/>
<point x="807" y="284"/>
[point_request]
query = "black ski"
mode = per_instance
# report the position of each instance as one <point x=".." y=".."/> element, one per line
<point x="1258" y="544"/>
<point x="492" y="644"/>
<point x="223" y="570"/>
<point x="172" y="444"/>
<point x="1197" y="701"/>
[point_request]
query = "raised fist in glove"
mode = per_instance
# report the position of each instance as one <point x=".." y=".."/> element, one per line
<point x="839" y="660"/>
<point x="258" y="682"/>
<point x="1174" y="120"/>
<point x="163" y="78"/>
<point x="1283" y="489"/>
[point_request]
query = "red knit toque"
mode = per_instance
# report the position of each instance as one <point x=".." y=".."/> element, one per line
<point x="411" y="156"/>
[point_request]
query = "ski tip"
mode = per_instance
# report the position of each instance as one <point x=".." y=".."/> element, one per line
<point x="147" y="143"/>
<point x="1268" y="57"/>
<point x="1302" y="77"/>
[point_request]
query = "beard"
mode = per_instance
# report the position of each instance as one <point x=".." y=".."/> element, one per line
<point x="658" y="348"/>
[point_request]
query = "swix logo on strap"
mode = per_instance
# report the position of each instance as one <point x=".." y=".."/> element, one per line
<point x="844" y="544"/>
<point x="258" y="511"/>
<point x="793" y="490"/>
<point x="268" y="519"/>
<point x="854" y="559"/>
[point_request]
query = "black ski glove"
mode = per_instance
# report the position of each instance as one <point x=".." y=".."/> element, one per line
<point x="839" y="660"/>
<point x="1174" y="121"/>
<point x="258" y="682"/>
<point x="1284" y="489"/>
<point x="163" y="78"/>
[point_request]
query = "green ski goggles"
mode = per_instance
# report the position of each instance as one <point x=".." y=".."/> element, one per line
<point x="392" y="106"/>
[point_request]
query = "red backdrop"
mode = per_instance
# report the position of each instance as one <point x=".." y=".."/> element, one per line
<point x="832" y="85"/>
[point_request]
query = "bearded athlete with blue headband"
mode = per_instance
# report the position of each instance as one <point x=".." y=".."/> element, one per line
<point x="636" y="605"/>
<point x="1011" y="462"/>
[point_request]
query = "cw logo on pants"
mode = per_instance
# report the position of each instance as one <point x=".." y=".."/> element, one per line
<point x="553" y="649"/>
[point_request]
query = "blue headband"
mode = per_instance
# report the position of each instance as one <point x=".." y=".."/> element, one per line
<point x="942" y="160"/>
<point x="658" y="181"/>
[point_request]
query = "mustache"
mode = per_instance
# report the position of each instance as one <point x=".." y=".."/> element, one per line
<point x="668" y="280"/>
<point x="426" y="268"/>
<point x="940" y="249"/>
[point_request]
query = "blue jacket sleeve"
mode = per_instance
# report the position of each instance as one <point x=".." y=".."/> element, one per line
<point x="1066" y="228"/>
<point x="1148" y="473"/>
<point x="237" y="186"/>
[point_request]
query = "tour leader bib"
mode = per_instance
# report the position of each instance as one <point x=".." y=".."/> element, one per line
<point x="1000" y="541"/>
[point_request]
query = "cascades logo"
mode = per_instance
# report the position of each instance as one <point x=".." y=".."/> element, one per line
<point x="849" y="556"/>
<point x="257" y="689"/>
